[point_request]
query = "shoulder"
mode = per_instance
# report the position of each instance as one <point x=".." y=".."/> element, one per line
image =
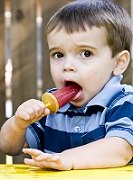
<point x="125" y="95"/>
<point x="122" y="105"/>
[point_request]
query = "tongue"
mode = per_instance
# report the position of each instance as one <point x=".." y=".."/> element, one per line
<point x="57" y="99"/>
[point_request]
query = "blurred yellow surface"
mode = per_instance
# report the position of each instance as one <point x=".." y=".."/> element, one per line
<point x="18" y="172"/>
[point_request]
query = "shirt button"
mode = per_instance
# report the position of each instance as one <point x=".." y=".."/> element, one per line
<point x="77" y="129"/>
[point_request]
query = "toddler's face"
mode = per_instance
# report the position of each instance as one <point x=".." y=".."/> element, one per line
<point x="81" y="57"/>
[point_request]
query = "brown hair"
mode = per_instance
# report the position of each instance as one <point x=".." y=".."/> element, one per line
<point x="76" y="15"/>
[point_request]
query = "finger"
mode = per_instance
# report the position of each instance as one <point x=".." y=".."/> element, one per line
<point x="25" y="112"/>
<point x="40" y="103"/>
<point x="31" y="111"/>
<point x="46" y="111"/>
<point x="38" y="109"/>
<point x="30" y="162"/>
<point x="42" y="109"/>
<point x="47" y="157"/>
<point x="43" y="157"/>
<point x="22" y="115"/>
<point x="32" y="152"/>
<point x="32" y="107"/>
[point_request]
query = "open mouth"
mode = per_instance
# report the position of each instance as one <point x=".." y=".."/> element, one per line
<point x="68" y="83"/>
<point x="78" y="95"/>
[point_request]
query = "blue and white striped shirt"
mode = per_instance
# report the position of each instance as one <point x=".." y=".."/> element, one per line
<point x="109" y="113"/>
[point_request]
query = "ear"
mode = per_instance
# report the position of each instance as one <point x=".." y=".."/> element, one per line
<point x="122" y="60"/>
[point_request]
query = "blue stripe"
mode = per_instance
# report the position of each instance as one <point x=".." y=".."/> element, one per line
<point x="90" y="110"/>
<point x="76" y="140"/>
<point x="118" y="112"/>
<point x="94" y="110"/>
<point x="94" y="135"/>
<point x="115" y="98"/>
<point x="39" y="134"/>
<point x="58" y="141"/>
<point x="37" y="129"/>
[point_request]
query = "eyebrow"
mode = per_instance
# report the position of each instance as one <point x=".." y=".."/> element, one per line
<point x="53" y="49"/>
<point x="81" y="46"/>
<point x="86" y="46"/>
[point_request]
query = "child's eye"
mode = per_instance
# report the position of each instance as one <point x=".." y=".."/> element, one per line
<point x="58" y="55"/>
<point x="86" y="53"/>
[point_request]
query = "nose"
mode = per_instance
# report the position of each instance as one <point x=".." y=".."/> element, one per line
<point x="69" y="64"/>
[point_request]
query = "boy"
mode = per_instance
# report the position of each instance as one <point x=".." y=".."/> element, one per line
<point x="89" y="44"/>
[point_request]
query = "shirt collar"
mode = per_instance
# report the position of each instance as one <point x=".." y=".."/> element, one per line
<point x="110" y="89"/>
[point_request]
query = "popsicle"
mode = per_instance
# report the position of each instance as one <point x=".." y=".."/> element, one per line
<point x="57" y="99"/>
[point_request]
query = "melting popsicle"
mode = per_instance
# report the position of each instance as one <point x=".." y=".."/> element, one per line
<point x="57" y="99"/>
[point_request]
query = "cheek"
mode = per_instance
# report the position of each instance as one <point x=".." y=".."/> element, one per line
<point x="56" y="75"/>
<point x="102" y="74"/>
<point x="53" y="69"/>
<point x="97" y="78"/>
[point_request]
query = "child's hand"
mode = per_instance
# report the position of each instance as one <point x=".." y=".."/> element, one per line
<point x="29" y="112"/>
<point x="45" y="160"/>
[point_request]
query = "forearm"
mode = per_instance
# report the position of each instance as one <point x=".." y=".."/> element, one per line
<point x="12" y="138"/>
<point x="108" y="152"/>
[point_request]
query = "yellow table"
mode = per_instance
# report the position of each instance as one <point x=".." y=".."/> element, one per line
<point x="19" y="172"/>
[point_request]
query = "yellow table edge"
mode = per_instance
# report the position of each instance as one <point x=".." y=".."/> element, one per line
<point x="21" y="171"/>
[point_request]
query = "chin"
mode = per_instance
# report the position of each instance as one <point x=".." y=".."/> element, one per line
<point x="78" y="104"/>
